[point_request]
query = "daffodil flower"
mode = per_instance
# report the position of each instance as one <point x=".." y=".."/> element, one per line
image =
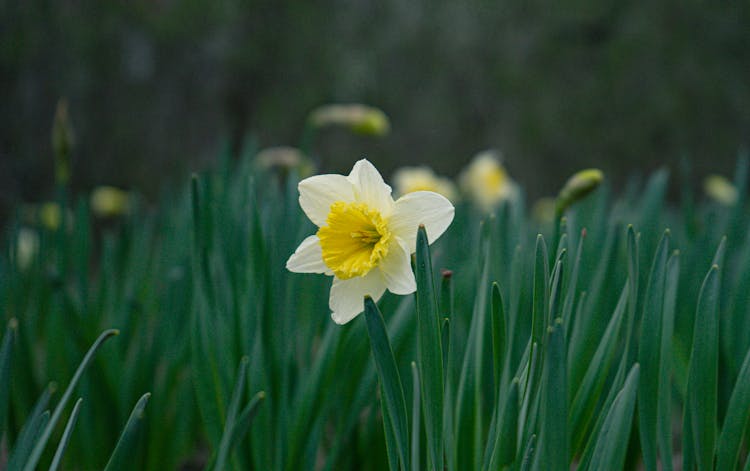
<point x="486" y="181"/>
<point x="365" y="239"/>
<point x="411" y="179"/>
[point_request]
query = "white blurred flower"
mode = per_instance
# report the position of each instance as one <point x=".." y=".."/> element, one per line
<point x="364" y="238"/>
<point x="27" y="247"/>
<point x="486" y="182"/>
<point x="411" y="179"/>
<point x="720" y="189"/>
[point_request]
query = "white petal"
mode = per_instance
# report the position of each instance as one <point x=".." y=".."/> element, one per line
<point x="308" y="258"/>
<point x="370" y="188"/>
<point x="421" y="207"/>
<point x="347" y="297"/>
<point x="396" y="269"/>
<point x="317" y="193"/>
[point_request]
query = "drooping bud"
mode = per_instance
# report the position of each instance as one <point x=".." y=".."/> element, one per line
<point x="358" y="118"/>
<point x="62" y="142"/>
<point x="577" y="187"/>
<point x="721" y="190"/>
<point x="108" y="201"/>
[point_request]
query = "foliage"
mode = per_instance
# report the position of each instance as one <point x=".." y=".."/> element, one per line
<point x="601" y="341"/>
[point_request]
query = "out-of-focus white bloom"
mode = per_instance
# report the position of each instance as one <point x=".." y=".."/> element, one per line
<point x="411" y="179"/>
<point x="108" y="201"/>
<point x="285" y="158"/>
<point x="364" y="238"/>
<point x="27" y="246"/>
<point x="486" y="182"/>
<point x="361" y="119"/>
<point x="720" y="189"/>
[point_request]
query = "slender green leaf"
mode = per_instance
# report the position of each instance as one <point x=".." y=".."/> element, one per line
<point x="649" y="354"/>
<point x="527" y="459"/>
<point x="611" y="443"/>
<point x="36" y="453"/>
<point x="555" y="437"/>
<point x="499" y="334"/>
<point x="664" y="419"/>
<point x="122" y="455"/>
<point x="736" y="420"/>
<point x="390" y="380"/>
<point x="540" y="296"/>
<point x="703" y="371"/>
<point x="65" y="436"/>
<point x="31" y="430"/>
<point x="588" y="394"/>
<point x="415" y="419"/>
<point x="6" y="360"/>
<point x="506" y="438"/>
<point x="234" y="406"/>
<point x="429" y="352"/>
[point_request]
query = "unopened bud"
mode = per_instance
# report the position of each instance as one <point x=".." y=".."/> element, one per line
<point x="62" y="142"/>
<point x="578" y="186"/>
<point x="108" y="201"/>
<point x="358" y="118"/>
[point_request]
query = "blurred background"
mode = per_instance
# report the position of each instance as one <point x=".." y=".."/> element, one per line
<point x="157" y="88"/>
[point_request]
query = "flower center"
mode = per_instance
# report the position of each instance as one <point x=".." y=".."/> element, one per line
<point x="494" y="178"/>
<point x="355" y="239"/>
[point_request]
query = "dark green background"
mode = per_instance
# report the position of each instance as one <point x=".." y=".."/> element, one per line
<point x="156" y="87"/>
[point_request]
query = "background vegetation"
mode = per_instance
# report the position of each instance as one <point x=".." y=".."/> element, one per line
<point x="155" y="86"/>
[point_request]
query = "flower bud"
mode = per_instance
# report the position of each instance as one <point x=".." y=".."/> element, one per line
<point x="578" y="186"/>
<point x="62" y="142"/>
<point x="358" y="118"/>
<point x="108" y="201"/>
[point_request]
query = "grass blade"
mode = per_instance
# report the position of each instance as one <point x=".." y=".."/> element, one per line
<point x="6" y="356"/>
<point x="65" y="436"/>
<point x="506" y="439"/>
<point x="554" y="426"/>
<point x="541" y="292"/>
<point x="415" y="419"/>
<point x="585" y="400"/>
<point x="429" y="352"/>
<point x="649" y="353"/>
<point x="735" y="422"/>
<point x="42" y="442"/>
<point x="703" y="372"/>
<point x="234" y="406"/>
<point x="611" y="444"/>
<point x="390" y="380"/>
<point x="664" y="415"/>
<point x="30" y="430"/>
<point x="122" y="456"/>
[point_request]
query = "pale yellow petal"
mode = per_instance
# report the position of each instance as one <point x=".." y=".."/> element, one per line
<point x="396" y="269"/>
<point x="347" y="297"/>
<point x="308" y="258"/>
<point x="317" y="193"/>
<point x="370" y="188"/>
<point x="420" y="207"/>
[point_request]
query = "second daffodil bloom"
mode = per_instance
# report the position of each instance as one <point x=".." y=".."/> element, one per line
<point x="486" y="181"/>
<point x="365" y="239"/>
<point x="411" y="179"/>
